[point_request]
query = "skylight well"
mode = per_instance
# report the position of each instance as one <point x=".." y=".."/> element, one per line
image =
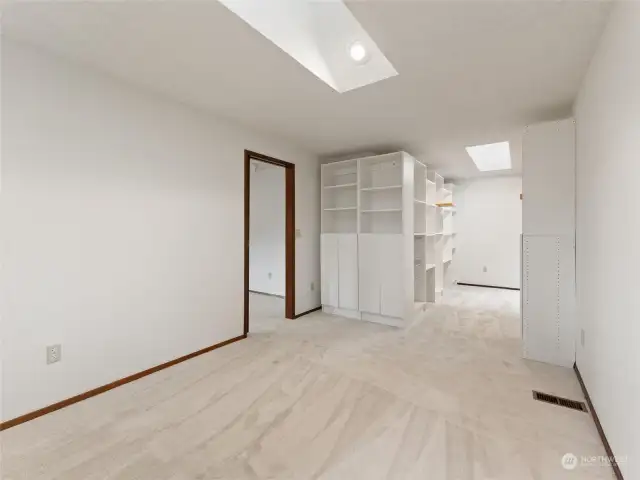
<point x="492" y="156"/>
<point x="323" y="36"/>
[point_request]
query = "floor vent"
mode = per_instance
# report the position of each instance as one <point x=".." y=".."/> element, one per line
<point x="562" y="402"/>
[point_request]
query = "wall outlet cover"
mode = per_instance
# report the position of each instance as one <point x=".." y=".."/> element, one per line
<point x="484" y="269"/>
<point x="270" y="275"/>
<point x="54" y="353"/>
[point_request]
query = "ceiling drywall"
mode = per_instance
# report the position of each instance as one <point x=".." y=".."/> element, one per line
<point x="470" y="72"/>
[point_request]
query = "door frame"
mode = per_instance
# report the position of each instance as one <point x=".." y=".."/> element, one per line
<point x="290" y="232"/>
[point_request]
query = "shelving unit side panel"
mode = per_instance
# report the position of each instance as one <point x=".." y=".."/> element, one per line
<point x="408" y="230"/>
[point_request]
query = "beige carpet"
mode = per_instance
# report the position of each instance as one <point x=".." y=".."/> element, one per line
<point x="327" y="398"/>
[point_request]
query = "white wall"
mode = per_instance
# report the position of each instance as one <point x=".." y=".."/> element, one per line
<point x="489" y="224"/>
<point x="608" y="233"/>
<point x="267" y="257"/>
<point x="123" y="228"/>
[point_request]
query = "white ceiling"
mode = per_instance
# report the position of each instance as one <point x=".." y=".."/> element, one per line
<point x="470" y="72"/>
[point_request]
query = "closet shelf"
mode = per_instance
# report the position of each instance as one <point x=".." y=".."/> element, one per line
<point x="445" y="204"/>
<point x="382" y="210"/>
<point x="422" y="202"/>
<point x="427" y="266"/>
<point x="339" y="209"/>
<point x="376" y="189"/>
<point x="344" y="185"/>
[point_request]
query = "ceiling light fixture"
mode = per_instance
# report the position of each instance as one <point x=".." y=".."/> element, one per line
<point x="493" y="156"/>
<point x="358" y="52"/>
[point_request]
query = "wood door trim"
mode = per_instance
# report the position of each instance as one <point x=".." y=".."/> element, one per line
<point x="308" y="312"/>
<point x="290" y="231"/>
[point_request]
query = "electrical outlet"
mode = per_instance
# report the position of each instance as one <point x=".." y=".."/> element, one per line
<point x="313" y="286"/>
<point x="270" y="275"/>
<point x="582" y="337"/>
<point x="54" y="353"/>
<point x="484" y="269"/>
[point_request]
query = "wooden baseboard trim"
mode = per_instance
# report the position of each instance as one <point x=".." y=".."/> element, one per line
<point x="487" y="286"/>
<point x="308" y="312"/>
<point x="267" y="294"/>
<point x="110" y="386"/>
<point x="596" y="420"/>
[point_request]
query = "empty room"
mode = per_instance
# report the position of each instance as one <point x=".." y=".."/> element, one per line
<point x="301" y="239"/>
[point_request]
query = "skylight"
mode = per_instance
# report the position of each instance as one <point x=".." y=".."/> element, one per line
<point x="323" y="36"/>
<point x="493" y="156"/>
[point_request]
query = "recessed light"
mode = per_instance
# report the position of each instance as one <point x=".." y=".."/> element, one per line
<point x="493" y="156"/>
<point x="358" y="52"/>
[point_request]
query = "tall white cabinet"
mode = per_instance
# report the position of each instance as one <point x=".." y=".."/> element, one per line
<point x="548" y="293"/>
<point x="381" y="240"/>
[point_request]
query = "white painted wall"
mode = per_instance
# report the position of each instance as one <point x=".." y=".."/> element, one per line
<point x="123" y="228"/>
<point x="608" y="233"/>
<point x="267" y="257"/>
<point x="489" y="224"/>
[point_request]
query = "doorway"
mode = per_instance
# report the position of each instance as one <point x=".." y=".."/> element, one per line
<point x="255" y="158"/>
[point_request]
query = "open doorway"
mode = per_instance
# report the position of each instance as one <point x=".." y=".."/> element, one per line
<point x="269" y="233"/>
<point x="485" y="272"/>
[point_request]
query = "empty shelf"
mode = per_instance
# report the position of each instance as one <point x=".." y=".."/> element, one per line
<point x="344" y="185"/>
<point x="339" y="209"/>
<point x="428" y="266"/>
<point x="382" y="210"/>
<point x="374" y="189"/>
<point x="423" y="202"/>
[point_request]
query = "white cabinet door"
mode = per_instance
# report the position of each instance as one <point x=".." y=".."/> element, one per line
<point x="391" y="275"/>
<point x="369" y="273"/>
<point x="329" y="269"/>
<point x="348" y="271"/>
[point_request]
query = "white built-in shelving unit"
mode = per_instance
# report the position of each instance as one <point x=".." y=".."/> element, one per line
<point x="384" y="239"/>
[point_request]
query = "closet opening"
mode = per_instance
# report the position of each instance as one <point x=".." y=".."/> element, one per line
<point x="269" y="234"/>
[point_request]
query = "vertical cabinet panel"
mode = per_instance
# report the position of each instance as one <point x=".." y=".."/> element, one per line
<point x="390" y="254"/>
<point x="369" y="274"/>
<point x="381" y="281"/>
<point x="348" y="271"/>
<point x="329" y="270"/>
<point x="548" y="299"/>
